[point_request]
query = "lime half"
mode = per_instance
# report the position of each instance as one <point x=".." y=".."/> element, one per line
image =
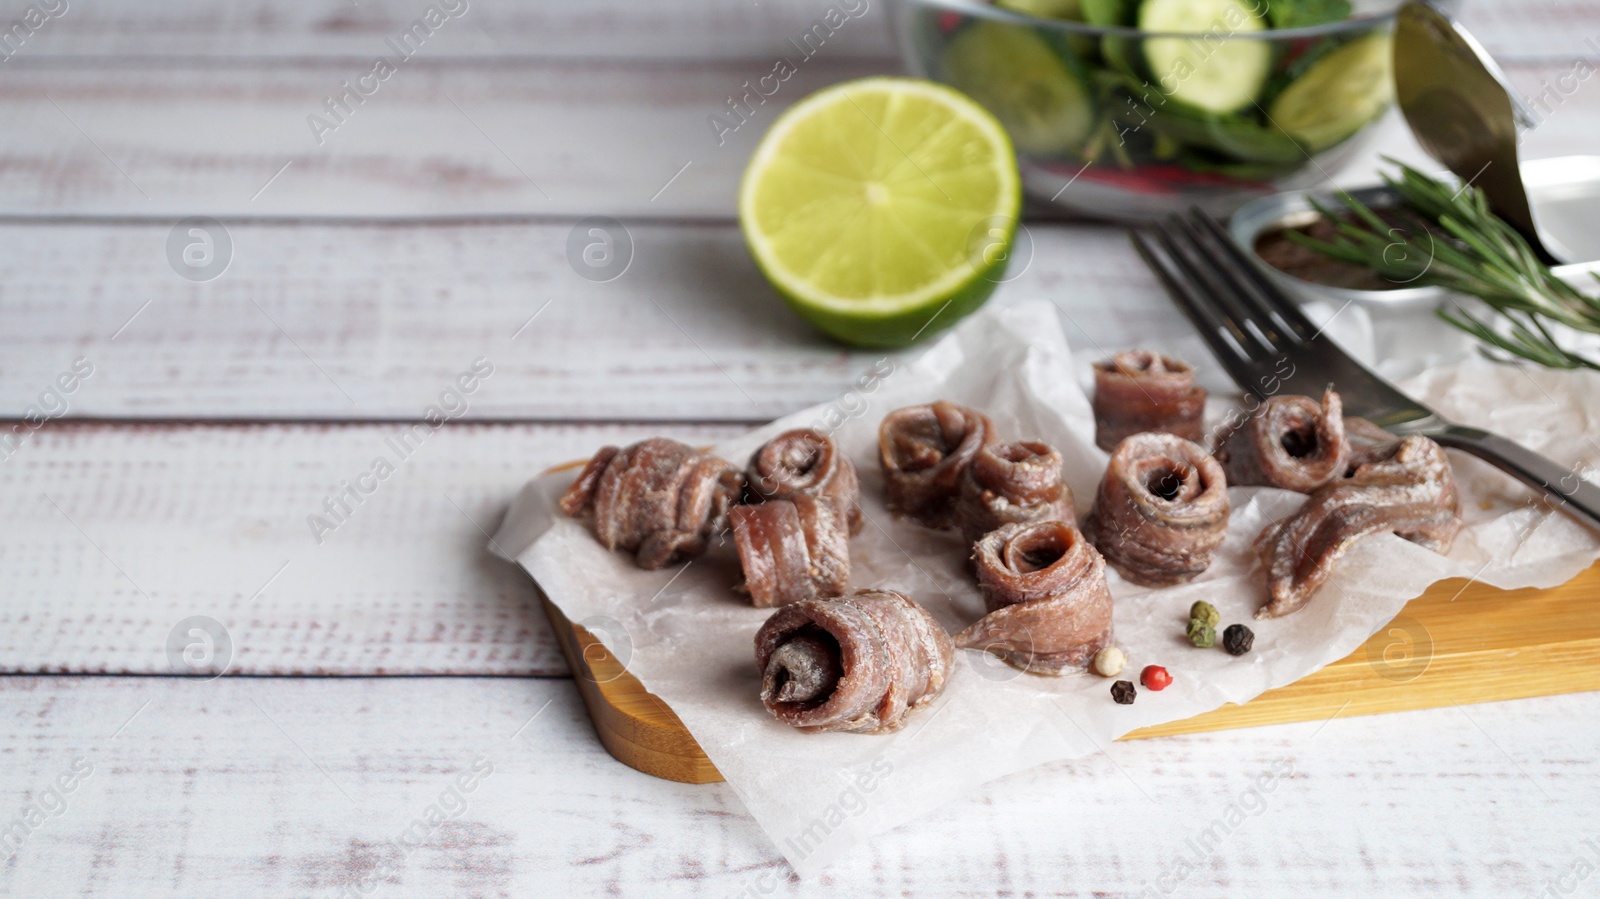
<point x="884" y="209"/>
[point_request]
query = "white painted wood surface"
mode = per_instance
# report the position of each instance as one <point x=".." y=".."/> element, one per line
<point x="271" y="30"/>
<point x="536" y="138"/>
<point x="116" y="533"/>
<point x="373" y="321"/>
<point x="295" y="787"/>
<point x="523" y="138"/>
<point x="362" y="319"/>
<point x="371" y="270"/>
<point x="277" y="30"/>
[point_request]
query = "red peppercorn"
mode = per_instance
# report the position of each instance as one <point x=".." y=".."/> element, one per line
<point x="1155" y="677"/>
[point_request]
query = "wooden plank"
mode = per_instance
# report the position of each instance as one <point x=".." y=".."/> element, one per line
<point x="297" y="787"/>
<point x="371" y="321"/>
<point x="379" y="328"/>
<point x="260" y="30"/>
<point x="633" y="724"/>
<point x="553" y="139"/>
<point x="164" y="30"/>
<point x="1458" y="643"/>
<point x="363" y="320"/>
<point x="115" y="534"/>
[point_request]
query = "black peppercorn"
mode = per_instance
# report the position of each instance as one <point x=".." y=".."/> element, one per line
<point x="1238" y="639"/>
<point x="1123" y="692"/>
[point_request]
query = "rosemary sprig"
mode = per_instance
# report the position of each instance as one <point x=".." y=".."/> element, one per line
<point x="1474" y="253"/>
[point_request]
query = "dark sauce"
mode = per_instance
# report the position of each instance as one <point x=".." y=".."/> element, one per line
<point x="1283" y="254"/>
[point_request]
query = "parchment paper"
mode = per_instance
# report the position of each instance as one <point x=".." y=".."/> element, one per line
<point x="688" y="637"/>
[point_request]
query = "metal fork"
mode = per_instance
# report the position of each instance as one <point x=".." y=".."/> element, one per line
<point x="1268" y="346"/>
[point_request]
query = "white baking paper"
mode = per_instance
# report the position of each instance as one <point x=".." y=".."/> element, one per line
<point x="688" y="637"/>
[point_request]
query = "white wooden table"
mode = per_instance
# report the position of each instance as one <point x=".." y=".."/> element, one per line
<point x="373" y="667"/>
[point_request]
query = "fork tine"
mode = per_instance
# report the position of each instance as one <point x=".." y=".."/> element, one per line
<point x="1252" y="285"/>
<point x="1259" y="335"/>
<point x="1220" y="333"/>
<point x="1192" y="276"/>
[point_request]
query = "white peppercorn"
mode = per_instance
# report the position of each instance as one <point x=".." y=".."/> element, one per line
<point x="1109" y="661"/>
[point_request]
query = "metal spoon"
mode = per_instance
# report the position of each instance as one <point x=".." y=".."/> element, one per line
<point x="1464" y="114"/>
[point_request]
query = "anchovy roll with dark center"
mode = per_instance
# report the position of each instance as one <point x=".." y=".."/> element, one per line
<point x="1290" y="442"/>
<point x="858" y="663"/>
<point x="1161" y="510"/>
<point x="1012" y="482"/>
<point x="791" y="549"/>
<point x="659" y="499"/>
<point x="1412" y="493"/>
<point x="1139" y="390"/>
<point x="924" y="451"/>
<point x="1045" y="588"/>
<point x="804" y="461"/>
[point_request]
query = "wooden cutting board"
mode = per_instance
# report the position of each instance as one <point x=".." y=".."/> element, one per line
<point x="1458" y="643"/>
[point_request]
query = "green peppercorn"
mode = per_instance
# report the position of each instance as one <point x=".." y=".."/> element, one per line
<point x="1238" y="639"/>
<point x="1123" y="692"/>
<point x="1205" y="612"/>
<point x="1202" y="635"/>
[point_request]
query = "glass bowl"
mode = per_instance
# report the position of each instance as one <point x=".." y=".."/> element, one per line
<point x="1130" y="124"/>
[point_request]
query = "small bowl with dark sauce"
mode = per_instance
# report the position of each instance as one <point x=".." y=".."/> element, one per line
<point x="1566" y="191"/>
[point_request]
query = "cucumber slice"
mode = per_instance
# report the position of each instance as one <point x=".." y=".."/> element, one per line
<point x="1082" y="46"/>
<point x="1028" y="83"/>
<point x="1071" y="10"/>
<point x="1298" y="62"/>
<point x="1108" y="12"/>
<point x="1216" y="70"/>
<point x="1113" y="51"/>
<point x="1338" y="94"/>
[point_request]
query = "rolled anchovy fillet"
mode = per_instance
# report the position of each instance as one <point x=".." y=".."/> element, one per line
<point x="924" y="451"/>
<point x="1045" y="588"/>
<point x="1368" y="443"/>
<point x="1290" y="442"/>
<point x="1012" y="482"/>
<point x="857" y="663"/>
<point x="659" y="499"/>
<point x="1161" y="509"/>
<point x="1412" y="493"/>
<point x="807" y="462"/>
<point x="1139" y="390"/>
<point x="791" y="549"/>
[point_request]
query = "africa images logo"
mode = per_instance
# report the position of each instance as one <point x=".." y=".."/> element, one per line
<point x="51" y="803"/>
<point x="340" y="105"/>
